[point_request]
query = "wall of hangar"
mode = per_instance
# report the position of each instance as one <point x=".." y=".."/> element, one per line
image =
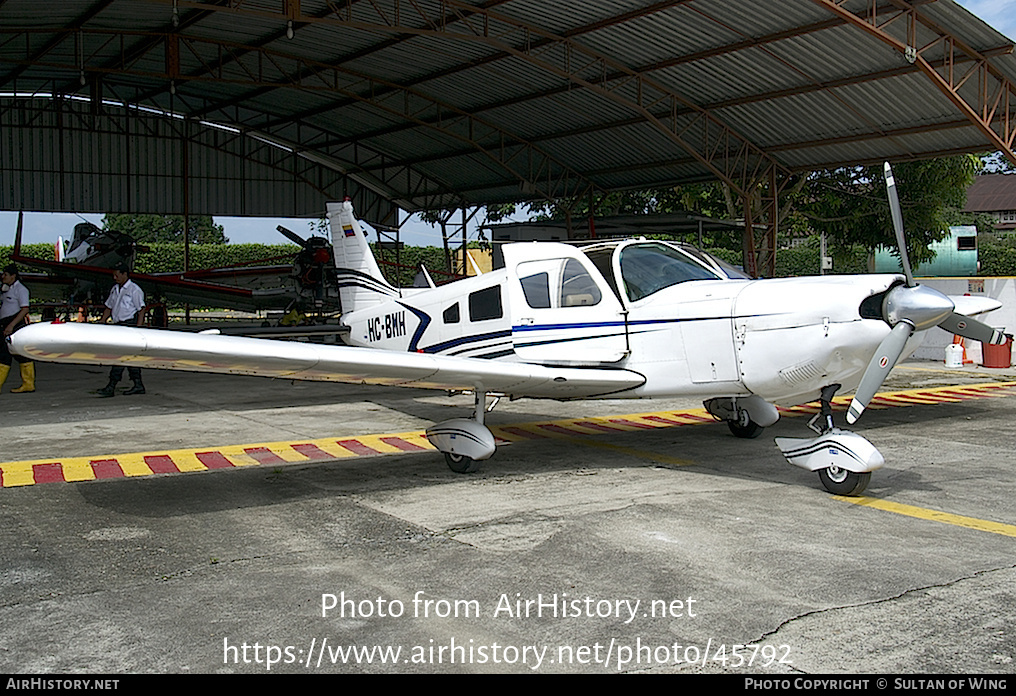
<point x="66" y="158"/>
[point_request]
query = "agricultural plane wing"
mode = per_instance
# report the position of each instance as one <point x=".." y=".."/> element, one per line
<point x="306" y="280"/>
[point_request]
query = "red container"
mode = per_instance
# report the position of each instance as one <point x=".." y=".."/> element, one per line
<point x="997" y="356"/>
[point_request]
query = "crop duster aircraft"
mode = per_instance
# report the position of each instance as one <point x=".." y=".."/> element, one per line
<point x="614" y="319"/>
<point x="307" y="281"/>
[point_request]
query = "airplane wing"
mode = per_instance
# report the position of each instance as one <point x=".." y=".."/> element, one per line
<point x="262" y="287"/>
<point x="46" y="288"/>
<point x="94" y="344"/>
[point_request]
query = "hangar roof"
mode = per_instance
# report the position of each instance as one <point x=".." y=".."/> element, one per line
<point x="433" y="104"/>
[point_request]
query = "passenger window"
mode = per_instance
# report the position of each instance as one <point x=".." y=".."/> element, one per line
<point x="537" y="290"/>
<point x="485" y="304"/>
<point x="451" y="315"/>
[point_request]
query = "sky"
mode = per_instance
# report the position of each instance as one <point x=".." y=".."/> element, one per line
<point x="46" y="227"/>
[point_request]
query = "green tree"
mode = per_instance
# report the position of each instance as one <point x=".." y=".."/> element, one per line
<point x="151" y="229"/>
<point x="850" y="204"/>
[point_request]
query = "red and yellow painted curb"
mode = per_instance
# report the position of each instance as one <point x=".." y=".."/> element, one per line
<point x="26" y="473"/>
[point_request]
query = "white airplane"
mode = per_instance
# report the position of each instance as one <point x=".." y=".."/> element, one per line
<point x="616" y="319"/>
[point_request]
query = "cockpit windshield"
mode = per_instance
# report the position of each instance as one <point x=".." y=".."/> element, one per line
<point x="649" y="267"/>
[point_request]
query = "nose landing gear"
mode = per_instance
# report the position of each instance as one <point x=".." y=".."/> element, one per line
<point x="844" y="460"/>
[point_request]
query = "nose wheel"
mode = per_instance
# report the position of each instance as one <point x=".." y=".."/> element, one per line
<point x="842" y="482"/>
<point x="460" y="463"/>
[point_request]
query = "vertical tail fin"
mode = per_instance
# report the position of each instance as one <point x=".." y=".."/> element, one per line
<point x="359" y="277"/>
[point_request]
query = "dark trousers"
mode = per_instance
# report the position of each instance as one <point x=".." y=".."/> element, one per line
<point x="5" y="354"/>
<point x="116" y="372"/>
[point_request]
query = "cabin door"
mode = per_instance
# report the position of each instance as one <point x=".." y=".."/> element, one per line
<point x="562" y="310"/>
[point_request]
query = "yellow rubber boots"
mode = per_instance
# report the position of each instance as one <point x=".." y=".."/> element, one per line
<point x="27" y="378"/>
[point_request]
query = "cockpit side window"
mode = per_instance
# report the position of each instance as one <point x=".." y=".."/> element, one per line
<point x="649" y="268"/>
<point x="536" y="288"/>
<point x="555" y="283"/>
<point x="578" y="289"/>
<point x="602" y="259"/>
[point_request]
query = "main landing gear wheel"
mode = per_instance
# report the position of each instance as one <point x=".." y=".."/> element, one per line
<point x="461" y="464"/>
<point x="744" y="426"/>
<point x="842" y="482"/>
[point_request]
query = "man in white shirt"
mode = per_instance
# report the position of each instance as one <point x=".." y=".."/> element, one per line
<point x="125" y="305"/>
<point x="14" y="315"/>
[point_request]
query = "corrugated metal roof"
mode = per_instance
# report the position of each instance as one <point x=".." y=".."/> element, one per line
<point x="991" y="193"/>
<point x="435" y="104"/>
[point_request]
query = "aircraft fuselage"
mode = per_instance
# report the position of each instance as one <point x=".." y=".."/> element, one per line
<point x="706" y="335"/>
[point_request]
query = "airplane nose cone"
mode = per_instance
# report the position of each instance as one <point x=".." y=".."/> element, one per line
<point x="921" y="306"/>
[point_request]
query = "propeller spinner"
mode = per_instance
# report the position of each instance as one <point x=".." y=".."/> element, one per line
<point x="909" y="308"/>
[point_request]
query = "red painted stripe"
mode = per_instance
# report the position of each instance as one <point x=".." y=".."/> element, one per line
<point x="521" y="432"/>
<point x="263" y="455"/>
<point x="213" y="460"/>
<point x="661" y="419"/>
<point x="312" y="451"/>
<point x="938" y="396"/>
<point x="888" y="401"/>
<point x="632" y="424"/>
<point x="698" y="419"/>
<point x="553" y="427"/>
<point x="356" y="447"/>
<point x="161" y="464"/>
<point x="598" y="426"/>
<point x="48" y="473"/>
<point x="958" y="394"/>
<point x="106" y="468"/>
<point x="403" y="445"/>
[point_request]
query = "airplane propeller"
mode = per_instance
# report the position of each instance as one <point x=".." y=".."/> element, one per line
<point x="292" y="236"/>
<point x="908" y="308"/>
<point x="311" y="266"/>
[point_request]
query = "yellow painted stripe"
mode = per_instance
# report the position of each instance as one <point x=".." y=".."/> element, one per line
<point x="933" y="515"/>
<point x="17" y="474"/>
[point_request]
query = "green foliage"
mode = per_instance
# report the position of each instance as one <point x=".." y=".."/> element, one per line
<point x="850" y="204"/>
<point x="150" y="229"/>
<point x="803" y="259"/>
<point x="38" y="251"/>
<point x="168" y="256"/>
<point x="996" y="255"/>
<point x="409" y="258"/>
